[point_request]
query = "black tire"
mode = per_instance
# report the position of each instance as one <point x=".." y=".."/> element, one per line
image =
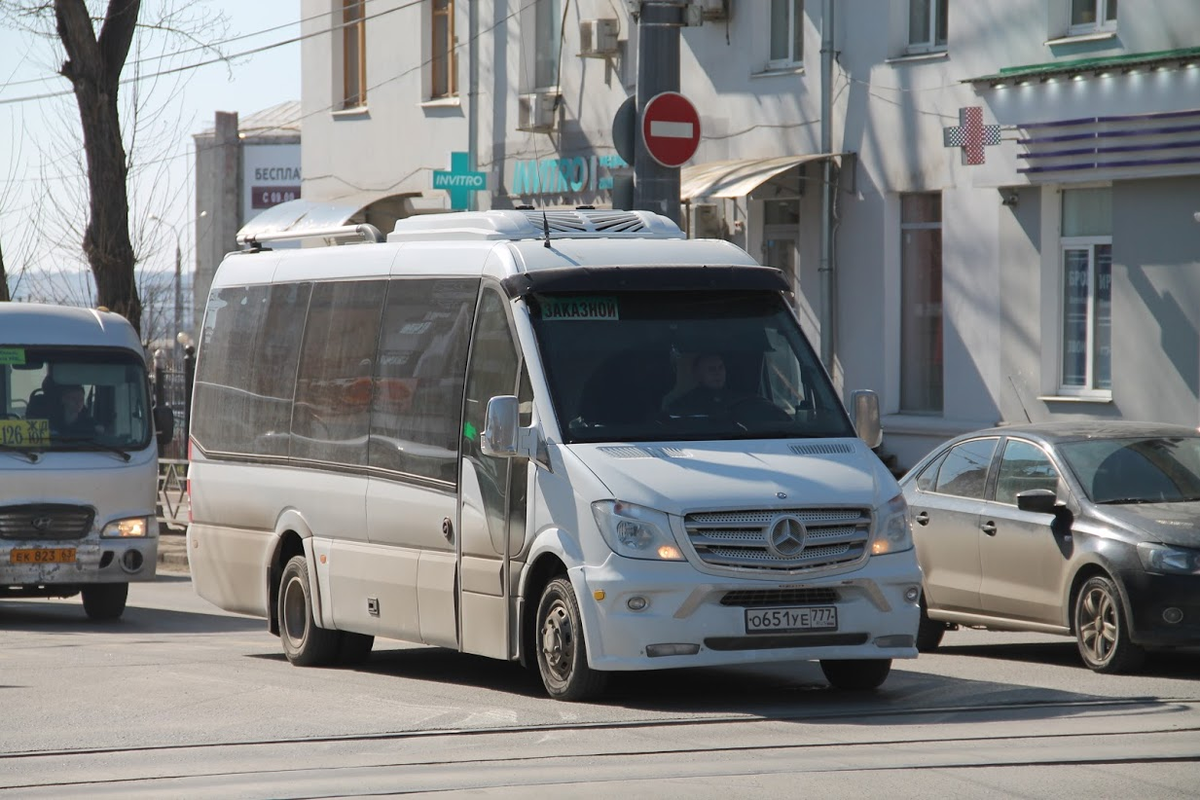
<point x="104" y="602"/>
<point x="561" y="649"/>
<point x="1101" y="630"/>
<point x="929" y="632"/>
<point x="354" y="649"/>
<point x="856" y="676"/>
<point x="304" y="643"/>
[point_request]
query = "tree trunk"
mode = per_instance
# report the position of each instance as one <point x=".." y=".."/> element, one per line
<point x="4" y="295"/>
<point x="93" y="67"/>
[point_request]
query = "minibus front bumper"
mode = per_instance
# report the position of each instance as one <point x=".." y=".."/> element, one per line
<point x="641" y="615"/>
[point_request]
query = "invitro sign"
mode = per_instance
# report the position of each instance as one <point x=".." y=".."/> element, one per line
<point x="565" y="175"/>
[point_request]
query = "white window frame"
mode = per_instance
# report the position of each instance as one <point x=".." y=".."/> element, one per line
<point x="931" y="44"/>
<point x="547" y="39"/>
<point x="353" y="72"/>
<point x="795" y="22"/>
<point x="906" y="227"/>
<point x="1102" y="23"/>
<point x="1089" y="388"/>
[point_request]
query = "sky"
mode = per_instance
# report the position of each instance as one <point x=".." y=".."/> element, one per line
<point x="38" y="155"/>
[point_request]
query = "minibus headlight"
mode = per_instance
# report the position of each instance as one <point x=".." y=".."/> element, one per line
<point x="892" y="534"/>
<point x="132" y="527"/>
<point x="636" y="531"/>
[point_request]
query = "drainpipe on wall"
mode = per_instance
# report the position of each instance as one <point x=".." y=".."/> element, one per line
<point x="473" y="96"/>
<point x="825" y="270"/>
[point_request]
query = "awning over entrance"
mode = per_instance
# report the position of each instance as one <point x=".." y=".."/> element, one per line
<point x="739" y="177"/>
<point x="297" y="216"/>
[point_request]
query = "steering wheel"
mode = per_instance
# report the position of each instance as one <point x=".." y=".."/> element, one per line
<point x="754" y="408"/>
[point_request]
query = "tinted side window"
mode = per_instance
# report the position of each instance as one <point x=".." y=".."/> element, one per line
<point x="276" y="353"/>
<point x="417" y="405"/>
<point x="1023" y="466"/>
<point x="964" y="472"/>
<point x="493" y="371"/>
<point x="223" y="405"/>
<point x="333" y="386"/>
<point x="928" y="477"/>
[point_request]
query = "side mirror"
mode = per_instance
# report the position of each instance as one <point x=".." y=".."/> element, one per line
<point x="1038" y="501"/>
<point x="864" y="410"/>
<point x="501" y="427"/>
<point x="164" y="424"/>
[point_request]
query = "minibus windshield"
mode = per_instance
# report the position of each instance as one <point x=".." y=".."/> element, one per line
<point x="73" y="398"/>
<point x="638" y="366"/>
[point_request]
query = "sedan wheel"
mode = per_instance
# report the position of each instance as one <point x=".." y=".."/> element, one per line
<point x="1101" y="631"/>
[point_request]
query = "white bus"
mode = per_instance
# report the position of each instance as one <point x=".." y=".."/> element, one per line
<point x="485" y="433"/>
<point x="78" y="458"/>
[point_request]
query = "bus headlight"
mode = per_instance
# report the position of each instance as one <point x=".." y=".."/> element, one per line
<point x="636" y="531"/>
<point x="133" y="527"/>
<point x="892" y="534"/>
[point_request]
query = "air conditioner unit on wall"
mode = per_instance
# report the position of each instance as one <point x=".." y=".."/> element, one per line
<point x="537" y="111"/>
<point x="708" y="11"/>
<point x="597" y="38"/>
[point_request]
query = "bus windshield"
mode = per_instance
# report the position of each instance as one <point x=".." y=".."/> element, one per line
<point x="72" y="398"/>
<point x="638" y="366"/>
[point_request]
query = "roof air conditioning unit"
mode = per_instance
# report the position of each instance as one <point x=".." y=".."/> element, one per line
<point x="597" y="38"/>
<point x="537" y="111"/>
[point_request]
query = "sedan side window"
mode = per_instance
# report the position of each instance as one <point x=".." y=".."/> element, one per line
<point x="1024" y="466"/>
<point x="964" y="472"/>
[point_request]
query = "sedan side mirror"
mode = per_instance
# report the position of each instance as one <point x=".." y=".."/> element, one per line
<point x="1037" y="501"/>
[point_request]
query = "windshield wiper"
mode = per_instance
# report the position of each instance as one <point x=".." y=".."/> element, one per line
<point x="32" y="455"/>
<point x="95" y="445"/>
<point x="1129" y="501"/>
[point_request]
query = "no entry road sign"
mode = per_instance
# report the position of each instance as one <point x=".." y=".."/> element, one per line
<point x="670" y="128"/>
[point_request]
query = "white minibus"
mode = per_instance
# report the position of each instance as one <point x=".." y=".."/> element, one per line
<point x="78" y="457"/>
<point x="576" y="439"/>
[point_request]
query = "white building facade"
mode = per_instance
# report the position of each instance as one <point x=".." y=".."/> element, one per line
<point x="1015" y="183"/>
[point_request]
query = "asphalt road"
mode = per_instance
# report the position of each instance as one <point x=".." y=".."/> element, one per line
<point x="181" y="699"/>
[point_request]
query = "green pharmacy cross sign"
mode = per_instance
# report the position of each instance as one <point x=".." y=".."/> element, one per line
<point x="460" y="181"/>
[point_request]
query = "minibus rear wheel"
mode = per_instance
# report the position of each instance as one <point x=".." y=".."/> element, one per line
<point x="105" y="601"/>
<point x="561" y="650"/>
<point x="304" y="643"/>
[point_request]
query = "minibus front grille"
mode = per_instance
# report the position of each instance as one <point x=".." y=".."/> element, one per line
<point x="741" y="540"/>
<point x="765" y="598"/>
<point x="45" y="521"/>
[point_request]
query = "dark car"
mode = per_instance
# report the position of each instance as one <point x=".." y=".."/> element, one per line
<point x="1090" y="529"/>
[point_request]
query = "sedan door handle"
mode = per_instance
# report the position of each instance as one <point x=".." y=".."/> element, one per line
<point x="989" y="528"/>
<point x="922" y="518"/>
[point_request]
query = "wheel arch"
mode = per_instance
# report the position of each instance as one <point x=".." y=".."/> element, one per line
<point x="545" y="567"/>
<point x="292" y="538"/>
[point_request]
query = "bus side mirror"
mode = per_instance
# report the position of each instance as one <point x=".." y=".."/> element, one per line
<point x="501" y="427"/>
<point x="164" y="424"/>
<point x="864" y="410"/>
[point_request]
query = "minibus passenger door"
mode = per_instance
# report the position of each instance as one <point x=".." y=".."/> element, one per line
<point x="485" y="488"/>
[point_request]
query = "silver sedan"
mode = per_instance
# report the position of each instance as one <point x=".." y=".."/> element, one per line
<point x="1089" y="530"/>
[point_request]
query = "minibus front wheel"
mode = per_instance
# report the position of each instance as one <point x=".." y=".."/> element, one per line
<point x="304" y="643"/>
<point x="561" y="650"/>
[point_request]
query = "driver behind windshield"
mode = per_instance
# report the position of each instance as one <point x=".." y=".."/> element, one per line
<point x="709" y="397"/>
<point x="71" y="417"/>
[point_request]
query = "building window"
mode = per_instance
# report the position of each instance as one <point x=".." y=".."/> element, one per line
<point x="442" y="62"/>
<point x="548" y="30"/>
<point x="921" y="303"/>
<point x="787" y="34"/>
<point x="354" y="54"/>
<point x="1088" y="16"/>
<point x="1086" y="291"/>
<point x="927" y="25"/>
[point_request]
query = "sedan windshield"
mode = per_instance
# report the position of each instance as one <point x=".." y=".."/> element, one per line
<point x="59" y="398"/>
<point x="1140" y="470"/>
<point x="664" y="366"/>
